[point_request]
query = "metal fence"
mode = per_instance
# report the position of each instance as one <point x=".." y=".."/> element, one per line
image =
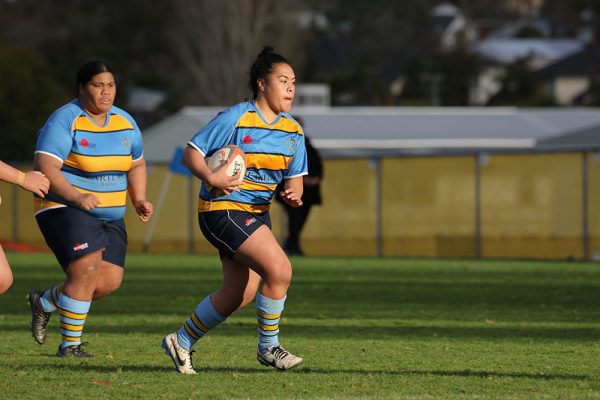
<point x="501" y="205"/>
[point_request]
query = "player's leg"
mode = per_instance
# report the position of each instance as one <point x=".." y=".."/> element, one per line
<point x="240" y="284"/>
<point x="43" y="303"/>
<point x="77" y="240"/>
<point x="109" y="279"/>
<point x="238" y="289"/>
<point x="295" y="222"/>
<point x="6" y="277"/>
<point x="112" y="267"/>
<point x="264" y="255"/>
<point x="75" y="301"/>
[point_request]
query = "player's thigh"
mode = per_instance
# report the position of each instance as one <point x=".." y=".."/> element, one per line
<point x="263" y="254"/>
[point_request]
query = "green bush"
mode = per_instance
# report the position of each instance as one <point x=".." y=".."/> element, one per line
<point x="28" y="95"/>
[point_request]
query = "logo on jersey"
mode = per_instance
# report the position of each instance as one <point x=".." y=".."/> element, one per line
<point x="250" y="221"/>
<point x="125" y="142"/>
<point x="292" y="144"/>
<point x="250" y="140"/>
<point x="80" y="246"/>
<point x="85" y="143"/>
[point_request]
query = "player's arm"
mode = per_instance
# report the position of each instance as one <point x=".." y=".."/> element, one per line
<point x="292" y="191"/>
<point x="196" y="163"/>
<point x="50" y="166"/>
<point x="33" y="181"/>
<point x="137" y="178"/>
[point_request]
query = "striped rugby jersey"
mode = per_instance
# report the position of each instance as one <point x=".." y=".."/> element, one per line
<point x="95" y="158"/>
<point x="274" y="152"/>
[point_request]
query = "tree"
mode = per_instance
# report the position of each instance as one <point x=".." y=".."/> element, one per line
<point x="216" y="41"/>
<point x="357" y="51"/>
<point x="28" y="95"/>
<point x="521" y="86"/>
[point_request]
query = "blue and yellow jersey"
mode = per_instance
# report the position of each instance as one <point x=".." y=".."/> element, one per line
<point x="95" y="158"/>
<point x="274" y="152"/>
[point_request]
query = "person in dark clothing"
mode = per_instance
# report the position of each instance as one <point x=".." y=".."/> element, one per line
<point x="297" y="216"/>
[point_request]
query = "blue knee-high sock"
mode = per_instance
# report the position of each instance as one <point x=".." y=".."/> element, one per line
<point x="72" y="318"/>
<point x="49" y="299"/>
<point x="268" y="312"/>
<point x="203" y="319"/>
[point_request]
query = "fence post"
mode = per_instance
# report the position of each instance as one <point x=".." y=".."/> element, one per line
<point x="481" y="159"/>
<point x="376" y="164"/>
<point x="585" y="205"/>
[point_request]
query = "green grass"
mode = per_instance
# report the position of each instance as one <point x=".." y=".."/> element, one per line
<point x="367" y="328"/>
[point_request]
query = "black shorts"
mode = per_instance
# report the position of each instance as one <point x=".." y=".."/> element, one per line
<point x="72" y="234"/>
<point x="228" y="229"/>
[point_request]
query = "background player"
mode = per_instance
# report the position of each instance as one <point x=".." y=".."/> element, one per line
<point x="297" y="216"/>
<point x="91" y="151"/>
<point x="238" y="224"/>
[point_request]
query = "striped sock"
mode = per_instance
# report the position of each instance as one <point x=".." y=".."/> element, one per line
<point x="49" y="299"/>
<point x="268" y="312"/>
<point x="203" y="319"/>
<point x="72" y="318"/>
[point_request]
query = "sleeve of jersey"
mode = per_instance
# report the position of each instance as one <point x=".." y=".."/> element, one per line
<point x="216" y="133"/>
<point x="55" y="138"/>
<point x="137" y="145"/>
<point x="299" y="164"/>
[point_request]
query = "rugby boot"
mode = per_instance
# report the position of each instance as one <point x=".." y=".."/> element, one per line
<point x="73" y="351"/>
<point x="279" y="358"/>
<point x="39" y="318"/>
<point x="181" y="357"/>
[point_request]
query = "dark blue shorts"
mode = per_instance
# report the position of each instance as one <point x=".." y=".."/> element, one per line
<point x="228" y="229"/>
<point x="72" y="234"/>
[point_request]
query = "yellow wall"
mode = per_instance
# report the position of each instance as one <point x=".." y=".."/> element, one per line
<point x="428" y="206"/>
<point x="345" y="223"/>
<point x="531" y="207"/>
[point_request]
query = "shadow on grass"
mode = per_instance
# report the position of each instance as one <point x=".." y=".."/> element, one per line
<point x="87" y="367"/>
<point x="352" y="331"/>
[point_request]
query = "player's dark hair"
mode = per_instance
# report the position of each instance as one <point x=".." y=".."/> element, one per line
<point x="90" y="69"/>
<point x="262" y="67"/>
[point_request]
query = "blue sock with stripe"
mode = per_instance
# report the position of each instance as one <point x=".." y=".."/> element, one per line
<point x="268" y="313"/>
<point x="49" y="299"/>
<point x="203" y="319"/>
<point x="72" y="318"/>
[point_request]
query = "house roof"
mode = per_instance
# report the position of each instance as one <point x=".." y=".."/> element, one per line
<point x="365" y="131"/>
<point x="583" y="63"/>
<point x="505" y="51"/>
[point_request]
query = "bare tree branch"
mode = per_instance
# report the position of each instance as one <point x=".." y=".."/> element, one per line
<point x="215" y="42"/>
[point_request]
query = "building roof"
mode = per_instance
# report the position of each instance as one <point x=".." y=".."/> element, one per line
<point x="543" y="51"/>
<point x="583" y="63"/>
<point x="360" y="131"/>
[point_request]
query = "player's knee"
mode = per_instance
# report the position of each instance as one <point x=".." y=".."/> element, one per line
<point x="281" y="276"/>
<point x="105" y="288"/>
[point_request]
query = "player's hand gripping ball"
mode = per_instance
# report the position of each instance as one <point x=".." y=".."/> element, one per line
<point x="234" y="160"/>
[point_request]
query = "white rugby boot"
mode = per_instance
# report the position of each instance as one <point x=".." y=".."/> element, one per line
<point x="180" y="356"/>
<point x="279" y="358"/>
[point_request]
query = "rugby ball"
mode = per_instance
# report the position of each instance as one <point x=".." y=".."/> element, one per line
<point x="234" y="160"/>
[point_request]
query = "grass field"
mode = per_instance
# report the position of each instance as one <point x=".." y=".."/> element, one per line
<point x="367" y="328"/>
